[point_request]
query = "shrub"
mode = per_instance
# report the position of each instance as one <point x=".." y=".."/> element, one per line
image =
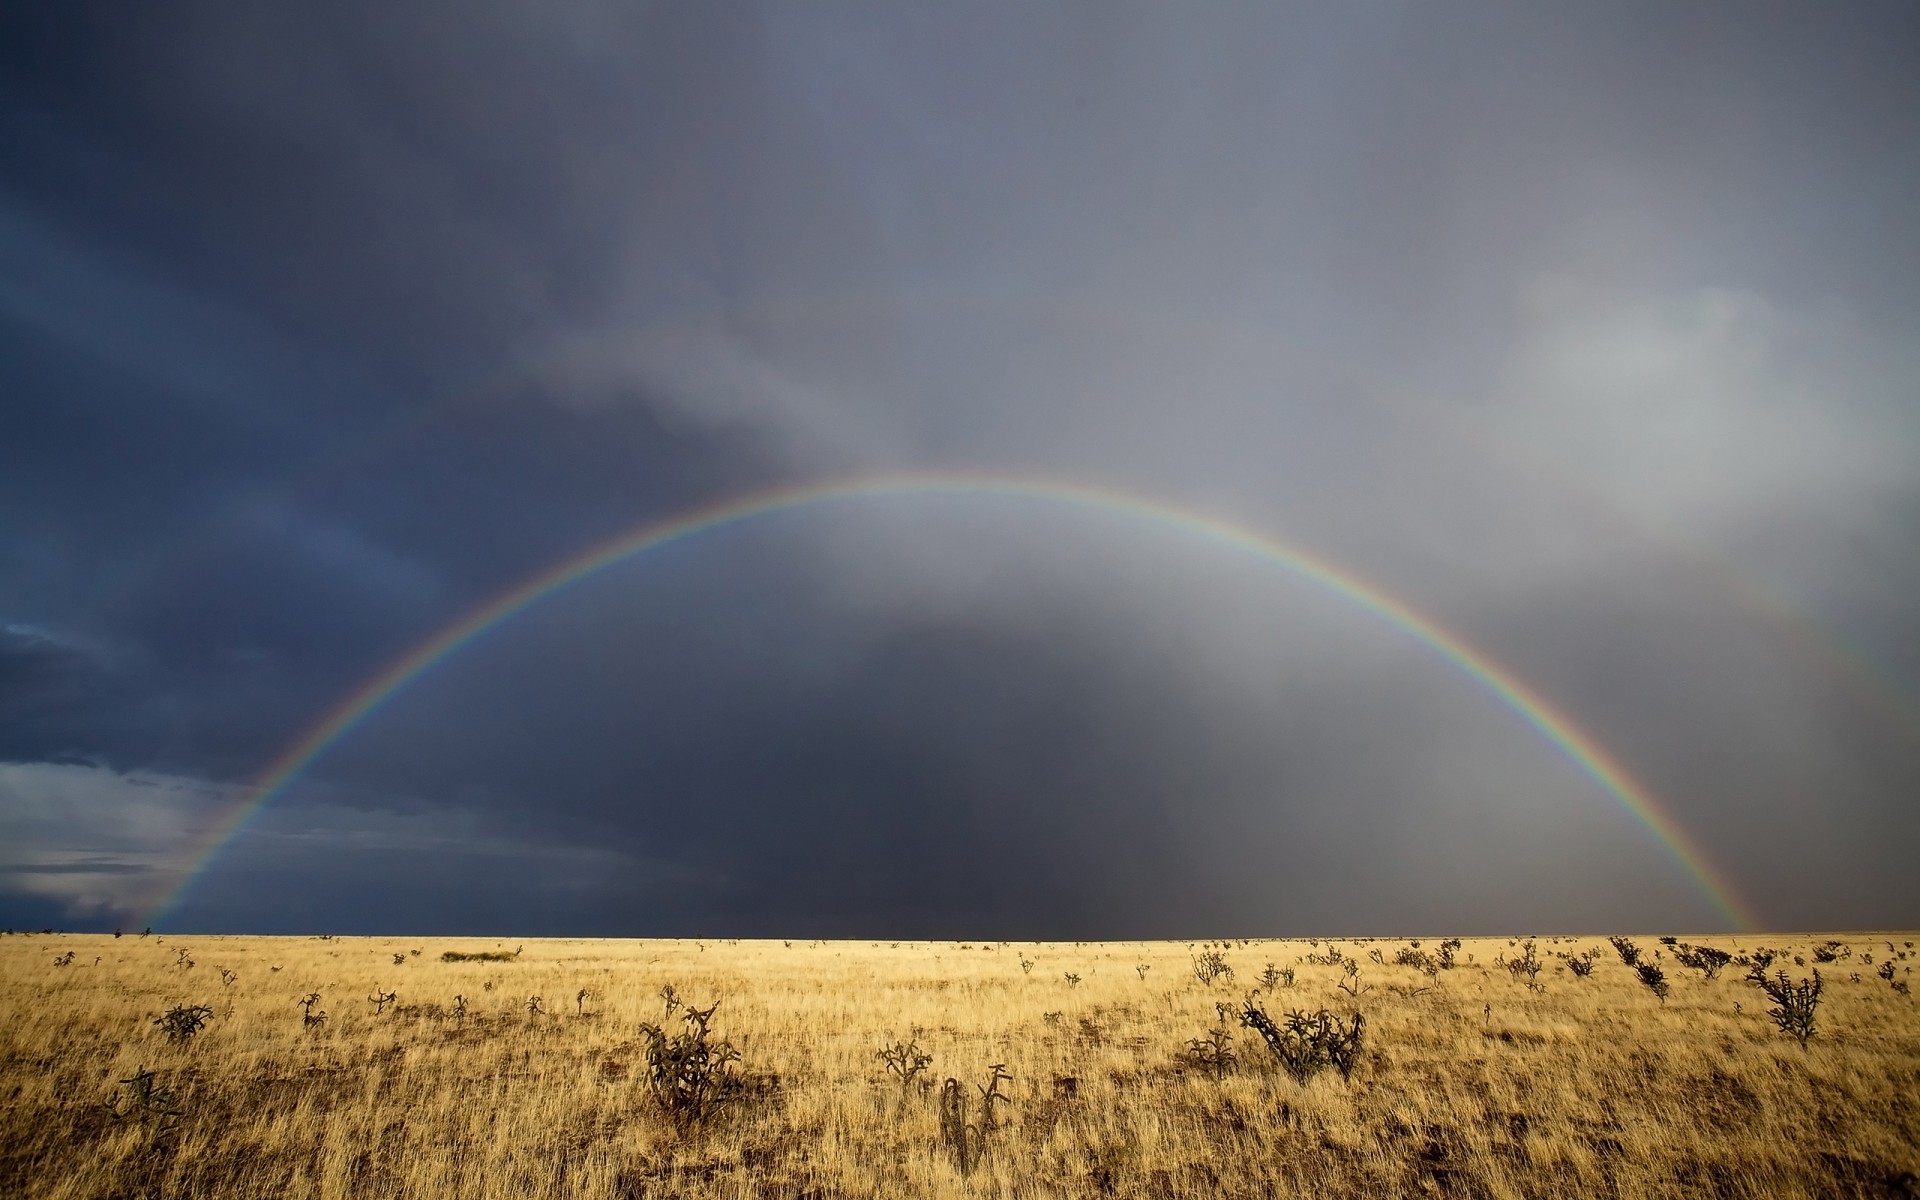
<point x="905" y="1059"/>
<point x="182" y="1021"/>
<point x="1628" y="952"/>
<point x="1274" y="977"/>
<point x="1211" y="965"/>
<point x="1654" y="978"/>
<point x="1526" y="967"/>
<point x="1794" y="1004"/>
<point x="1214" y="1052"/>
<point x="1351" y="984"/>
<point x="1418" y="959"/>
<point x="1705" y="959"/>
<point x="145" y="1101"/>
<point x="1756" y="962"/>
<point x="967" y="1140"/>
<point x="478" y="956"/>
<point x="1307" y="1042"/>
<point x="689" y="1075"/>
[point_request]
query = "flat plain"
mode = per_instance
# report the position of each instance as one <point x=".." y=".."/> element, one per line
<point x="527" y="1074"/>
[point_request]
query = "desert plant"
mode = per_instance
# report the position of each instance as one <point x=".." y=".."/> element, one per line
<point x="381" y="999"/>
<point x="399" y="960"/>
<point x="967" y="1140"/>
<point x="1794" y="1004"/>
<point x="580" y="999"/>
<point x="905" y="1059"/>
<point x="1306" y="1042"/>
<point x="460" y="1009"/>
<point x="1628" y="952"/>
<point x="1418" y="959"/>
<point x="1705" y="959"/>
<point x="182" y="959"/>
<point x="145" y="1101"/>
<point x="182" y="1021"/>
<point x="63" y="960"/>
<point x="533" y="1007"/>
<point x="1654" y="978"/>
<point x="1827" y="952"/>
<point x="1141" y="969"/>
<point x="310" y="1019"/>
<point x="1214" y="1052"/>
<point x="229" y="978"/>
<point x="1211" y="965"/>
<point x="1351" y="985"/>
<point x="689" y="1075"/>
<point x="1445" y="958"/>
<point x="1886" y="970"/>
<point x="1756" y="962"/>
<point x="1526" y="967"/>
<point x="1026" y="965"/>
<point x="1273" y="977"/>
<point x="1072" y="979"/>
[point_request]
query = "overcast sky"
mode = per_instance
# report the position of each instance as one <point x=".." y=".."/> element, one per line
<point x="1591" y="335"/>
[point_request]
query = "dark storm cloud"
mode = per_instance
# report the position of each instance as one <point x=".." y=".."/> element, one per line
<point x="1589" y="334"/>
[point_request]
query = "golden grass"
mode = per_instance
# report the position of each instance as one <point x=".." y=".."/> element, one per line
<point x="1477" y="1087"/>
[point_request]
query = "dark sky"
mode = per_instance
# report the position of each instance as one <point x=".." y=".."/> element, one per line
<point x="1590" y="335"/>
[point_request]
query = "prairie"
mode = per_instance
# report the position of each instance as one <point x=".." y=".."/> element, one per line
<point x="1468" y="1081"/>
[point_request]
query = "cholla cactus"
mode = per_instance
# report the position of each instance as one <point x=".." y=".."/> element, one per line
<point x="182" y="1021"/>
<point x="1794" y="1004"/>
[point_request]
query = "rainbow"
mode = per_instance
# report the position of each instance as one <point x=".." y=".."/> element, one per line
<point x="1532" y="708"/>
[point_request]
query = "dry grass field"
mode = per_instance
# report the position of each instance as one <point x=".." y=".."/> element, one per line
<point x="1468" y="1082"/>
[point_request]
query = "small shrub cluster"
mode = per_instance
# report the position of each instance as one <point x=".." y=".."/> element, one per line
<point x="906" y="1060"/>
<point x="689" y="1075"/>
<point x="1526" y="967"/>
<point x="1793" y="1004"/>
<point x="182" y="1021"/>
<point x="1707" y="960"/>
<point x="1214" y="1052"/>
<point x="1304" y="1043"/>
<point x="1211" y="965"/>
<point x="1274" y="977"/>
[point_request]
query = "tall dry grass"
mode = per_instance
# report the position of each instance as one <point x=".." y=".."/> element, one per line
<point x="1476" y="1086"/>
